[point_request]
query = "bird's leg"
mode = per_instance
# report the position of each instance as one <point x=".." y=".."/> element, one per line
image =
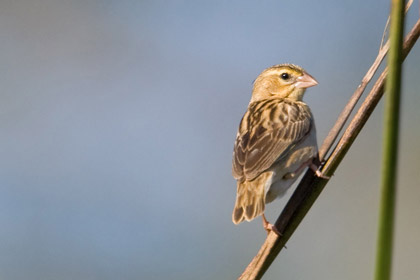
<point x="269" y="227"/>
<point x="311" y="165"/>
<point x="315" y="169"/>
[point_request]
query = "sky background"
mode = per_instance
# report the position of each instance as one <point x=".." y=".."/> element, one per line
<point x="117" y="123"/>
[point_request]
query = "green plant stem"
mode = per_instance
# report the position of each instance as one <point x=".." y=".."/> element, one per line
<point x="390" y="144"/>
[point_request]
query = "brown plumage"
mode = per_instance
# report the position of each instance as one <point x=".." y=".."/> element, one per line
<point x="275" y="141"/>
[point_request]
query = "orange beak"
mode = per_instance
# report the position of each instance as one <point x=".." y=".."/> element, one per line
<point x="305" y="81"/>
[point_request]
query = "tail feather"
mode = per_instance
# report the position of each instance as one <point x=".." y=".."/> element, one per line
<point x="250" y="198"/>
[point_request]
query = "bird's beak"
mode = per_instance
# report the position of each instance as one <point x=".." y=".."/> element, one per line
<point x="306" y="81"/>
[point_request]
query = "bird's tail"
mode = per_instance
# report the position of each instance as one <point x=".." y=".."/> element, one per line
<point x="250" y="198"/>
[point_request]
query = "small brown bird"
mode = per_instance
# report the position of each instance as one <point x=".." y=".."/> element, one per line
<point x="276" y="141"/>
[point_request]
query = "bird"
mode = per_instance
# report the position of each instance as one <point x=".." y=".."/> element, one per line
<point x="276" y="141"/>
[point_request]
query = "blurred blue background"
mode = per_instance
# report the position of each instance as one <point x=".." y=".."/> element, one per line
<point x="117" y="126"/>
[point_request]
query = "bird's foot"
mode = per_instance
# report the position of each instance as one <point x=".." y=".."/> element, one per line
<point x="318" y="173"/>
<point x="270" y="227"/>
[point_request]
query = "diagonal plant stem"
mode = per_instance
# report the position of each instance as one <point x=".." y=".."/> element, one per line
<point x="345" y="114"/>
<point x="311" y="186"/>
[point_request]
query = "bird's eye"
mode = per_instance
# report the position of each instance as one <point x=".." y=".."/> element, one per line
<point x="284" y="76"/>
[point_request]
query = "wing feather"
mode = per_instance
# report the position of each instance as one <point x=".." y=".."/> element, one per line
<point x="268" y="131"/>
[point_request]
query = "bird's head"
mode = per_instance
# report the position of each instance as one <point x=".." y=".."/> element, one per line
<point x="282" y="81"/>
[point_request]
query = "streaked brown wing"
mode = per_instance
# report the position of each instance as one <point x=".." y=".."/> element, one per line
<point x="267" y="132"/>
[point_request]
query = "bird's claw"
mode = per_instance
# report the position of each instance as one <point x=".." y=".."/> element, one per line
<point x="270" y="227"/>
<point x="318" y="173"/>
